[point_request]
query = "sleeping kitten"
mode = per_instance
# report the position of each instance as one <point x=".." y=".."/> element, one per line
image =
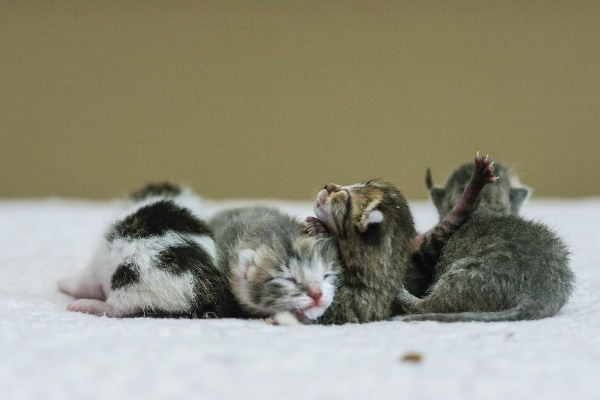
<point x="497" y="266"/>
<point x="158" y="260"/>
<point x="272" y="266"/>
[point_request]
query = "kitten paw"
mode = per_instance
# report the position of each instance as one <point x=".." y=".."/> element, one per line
<point x="484" y="169"/>
<point x="285" y="318"/>
<point x="315" y="227"/>
<point x="95" y="307"/>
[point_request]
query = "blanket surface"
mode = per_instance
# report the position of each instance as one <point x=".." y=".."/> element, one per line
<point x="47" y="352"/>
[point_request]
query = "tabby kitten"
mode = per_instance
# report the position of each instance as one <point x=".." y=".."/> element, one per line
<point x="497" y="266"/>
<point x="273" y="267"/>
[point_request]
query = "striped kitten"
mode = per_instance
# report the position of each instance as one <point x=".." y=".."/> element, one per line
<point x="158" y="260"/>
<point x="273" y="267"/>
<point x="373" y="228"/>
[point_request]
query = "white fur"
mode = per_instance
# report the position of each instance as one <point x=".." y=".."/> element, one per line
<point x="371" y="216"/>
<point x="311" y="273"/>
<point x="156" y="289"/>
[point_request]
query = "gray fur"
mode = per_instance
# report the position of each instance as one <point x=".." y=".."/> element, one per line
<point x="503" y="197"/>
<point x="497" y="266"/>
<point x="272" y="265"/>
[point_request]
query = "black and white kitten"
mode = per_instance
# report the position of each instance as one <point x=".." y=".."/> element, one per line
<point x="159" y="259"/>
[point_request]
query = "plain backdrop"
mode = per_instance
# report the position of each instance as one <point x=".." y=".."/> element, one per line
<point x="274" y="99"/>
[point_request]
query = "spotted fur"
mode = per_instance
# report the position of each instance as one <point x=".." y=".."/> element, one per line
<point x="157" y="259"/>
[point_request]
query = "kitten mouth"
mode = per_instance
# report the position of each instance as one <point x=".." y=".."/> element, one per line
<point x="321" y="199"/>
<point x="314" y="311"/>
<point x="320" y="207"/>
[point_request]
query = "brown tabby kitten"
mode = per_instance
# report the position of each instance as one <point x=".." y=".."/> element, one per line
<point x="374" y="230"/>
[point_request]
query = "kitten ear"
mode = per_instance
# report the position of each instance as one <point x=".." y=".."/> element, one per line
<point x="518" y="197"/>
<point x="246" y="258"/>
<point x="437" y="196"/>
<point x="371" y="217"/>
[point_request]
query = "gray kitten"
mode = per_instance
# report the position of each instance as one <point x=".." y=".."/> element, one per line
<point x="273" y="267"/>
<point x="497" y="266"/>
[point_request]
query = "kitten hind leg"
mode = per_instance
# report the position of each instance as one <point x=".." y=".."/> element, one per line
<point x="80" y="289"/>
<point x="427" y="246"/>
<point x="95" y="307"/>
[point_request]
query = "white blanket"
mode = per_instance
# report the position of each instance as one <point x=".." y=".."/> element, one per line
<point x="47" y="352"/>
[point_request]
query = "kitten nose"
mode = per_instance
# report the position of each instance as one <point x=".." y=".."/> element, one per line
<point x="332" y="188"/>
<point x="315" y="292"/>
<point x="316" y="296"/>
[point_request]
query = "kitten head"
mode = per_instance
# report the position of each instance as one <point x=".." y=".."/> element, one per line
<point x="505" y="196"/>
<point x="301" y="277"/>
<point x="364" y="211"/>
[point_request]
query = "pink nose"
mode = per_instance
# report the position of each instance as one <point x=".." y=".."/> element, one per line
<point x="315" y="295"/>
<point x="332" y="188"/>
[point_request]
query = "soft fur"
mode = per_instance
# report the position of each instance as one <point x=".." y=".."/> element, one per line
<point x="272" y="265"/>
<point x="373" y="227"/>
<point x="497" y="266"/>
<point x="158" y="259"/>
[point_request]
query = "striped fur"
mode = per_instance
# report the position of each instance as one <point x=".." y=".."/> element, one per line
<point x="272" y="265"/>
<point x="373" y="228"/>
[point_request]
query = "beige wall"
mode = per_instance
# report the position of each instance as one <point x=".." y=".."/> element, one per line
<point x="275" y="99"/>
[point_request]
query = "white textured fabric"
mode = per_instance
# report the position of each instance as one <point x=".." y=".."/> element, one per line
<point x="47" y="352"/>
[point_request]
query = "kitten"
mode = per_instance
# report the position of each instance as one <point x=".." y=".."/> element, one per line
<point x="374" y="230"/>
<point x="497" y="266"/>
<point x="157" y="260"/>
<point x="427" y="247"/>
<point x="272" y="265"/>
<point x="376" y="237"/>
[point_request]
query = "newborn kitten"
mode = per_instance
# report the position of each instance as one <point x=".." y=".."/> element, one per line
<point x="272" y="266"/>
<point x="374" y="230"/>
<point x="497" y="266"/>
<point x="158" y="260"/>
<point x="427" y="247"/>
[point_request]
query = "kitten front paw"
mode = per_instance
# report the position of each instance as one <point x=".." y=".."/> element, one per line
<point x="315" y="227"/>
<point x="484" y="170"/>
<point x="285" y="318"/>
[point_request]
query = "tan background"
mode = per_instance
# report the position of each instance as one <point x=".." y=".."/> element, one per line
<point x="275" y="99"/>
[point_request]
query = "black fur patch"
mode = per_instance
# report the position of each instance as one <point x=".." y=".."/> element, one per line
<point x="189" y="256"/>
<point x="343" y="233"/>
<point x="156" y="219"/>
<point x="156" y="189"/>
<point x="126" y="274"/>
<point x="372" y="235"/>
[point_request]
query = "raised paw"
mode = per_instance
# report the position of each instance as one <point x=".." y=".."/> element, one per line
<point x="315" y="227"/>
<point x="484" y="169"/>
